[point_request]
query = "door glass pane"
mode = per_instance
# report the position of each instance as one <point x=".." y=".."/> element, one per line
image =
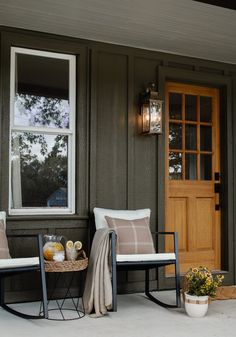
<point x="175" y="107"/>
<point x="190" y="137"/>
<point x="191" y="107"/>
<point x="190" y="166"/>
<point x="39" y="166"/>
<point x="205" y="109"/>
<point x="175" y="166"/>
<point x="175" y="136"/>
<point x="206" y="166"/>
<point x="205" y="138"/>
<point x="41" y="92"/>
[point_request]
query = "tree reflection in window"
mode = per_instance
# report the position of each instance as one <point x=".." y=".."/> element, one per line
<point x="43" y="158"/>
<point x="40" y="111"/>
<point x="175" y="166"/>
<point x="43" y="166"/>
<point x="175" y="136"/>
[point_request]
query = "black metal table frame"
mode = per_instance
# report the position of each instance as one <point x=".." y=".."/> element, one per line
<point x="61" y="276"/>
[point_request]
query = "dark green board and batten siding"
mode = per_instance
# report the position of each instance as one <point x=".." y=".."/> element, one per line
<point x="116" y="166"/>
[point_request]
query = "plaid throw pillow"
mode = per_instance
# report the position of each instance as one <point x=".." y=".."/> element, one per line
<point x="4" y="250"/>
<point x="133" y="236"/>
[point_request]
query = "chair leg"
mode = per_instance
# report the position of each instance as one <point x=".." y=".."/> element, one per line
<point x="177" y="285"/>
<point x="177" y="274"/>
<point x="114" y="272"/>
<point x="44" y="293"/>
<point x="2" y="284"/>
<point x="147" y="282"/>
<point x="43" y="277"/>
<point x="114" y="290"/>
<point x="154" y="299"/>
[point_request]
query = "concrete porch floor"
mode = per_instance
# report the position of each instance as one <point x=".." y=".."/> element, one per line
<point x="136" y="317"/>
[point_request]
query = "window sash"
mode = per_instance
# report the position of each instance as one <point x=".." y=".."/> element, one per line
<point x="70" y="132"/>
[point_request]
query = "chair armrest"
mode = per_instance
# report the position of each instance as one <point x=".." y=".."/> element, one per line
<point x="113" y="237"/>
<point x="175" y="238"/>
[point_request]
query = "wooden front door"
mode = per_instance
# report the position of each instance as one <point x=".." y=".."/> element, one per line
<point x="192" y="173"/>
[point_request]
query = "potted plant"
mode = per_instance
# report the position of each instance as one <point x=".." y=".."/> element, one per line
<point x="200" y="285"/>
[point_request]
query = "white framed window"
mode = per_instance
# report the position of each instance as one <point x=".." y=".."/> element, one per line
<point x="42" y="132"/>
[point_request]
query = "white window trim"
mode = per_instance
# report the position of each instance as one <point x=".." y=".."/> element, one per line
<point x="70" y="132"/>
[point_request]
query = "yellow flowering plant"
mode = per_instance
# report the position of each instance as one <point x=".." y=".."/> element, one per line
<point x="200" y="282"/>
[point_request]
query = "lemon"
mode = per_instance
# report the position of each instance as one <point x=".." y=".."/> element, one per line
<point x="69" y="244"/>
<point x="78" y="245"/>
<point x="58" y="246"/>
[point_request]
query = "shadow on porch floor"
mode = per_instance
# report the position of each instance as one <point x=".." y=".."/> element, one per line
<point x="136" y="317"/>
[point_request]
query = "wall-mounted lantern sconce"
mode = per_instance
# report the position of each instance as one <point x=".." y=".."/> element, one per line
<point x="151" y="111"/>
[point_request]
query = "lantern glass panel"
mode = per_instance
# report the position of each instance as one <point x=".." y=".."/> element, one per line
<point x="146" y="118"/>
<point x="155" y="116"/>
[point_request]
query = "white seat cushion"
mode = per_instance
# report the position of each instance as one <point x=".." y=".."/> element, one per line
<point x="100" y="214"/>
<point x="19" y="262"/>
<point x="145" y="257"/>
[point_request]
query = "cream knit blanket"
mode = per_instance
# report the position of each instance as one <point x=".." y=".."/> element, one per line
<point x="98" y="289"/>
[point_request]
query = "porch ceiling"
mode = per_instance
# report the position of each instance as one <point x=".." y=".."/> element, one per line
<point x="182" y="27"/>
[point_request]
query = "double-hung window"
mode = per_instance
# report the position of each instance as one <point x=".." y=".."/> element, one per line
<point x="42" y="132"/>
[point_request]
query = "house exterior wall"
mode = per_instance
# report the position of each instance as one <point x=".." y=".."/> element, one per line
<point x="116" y="166"/>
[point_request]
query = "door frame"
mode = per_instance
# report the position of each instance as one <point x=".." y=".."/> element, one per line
<point x="224" y="84"/>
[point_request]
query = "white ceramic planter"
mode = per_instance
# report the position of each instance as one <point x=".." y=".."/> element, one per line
<point x="196" y="306"/>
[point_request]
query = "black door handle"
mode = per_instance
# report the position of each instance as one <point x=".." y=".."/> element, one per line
<point x="217" y="176"/>
<point x="217" y="187"/>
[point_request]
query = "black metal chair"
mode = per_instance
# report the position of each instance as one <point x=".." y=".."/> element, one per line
<point x="151" y="262"/>
<point x="14" y="266"/>
<point x="139" y="261"/>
